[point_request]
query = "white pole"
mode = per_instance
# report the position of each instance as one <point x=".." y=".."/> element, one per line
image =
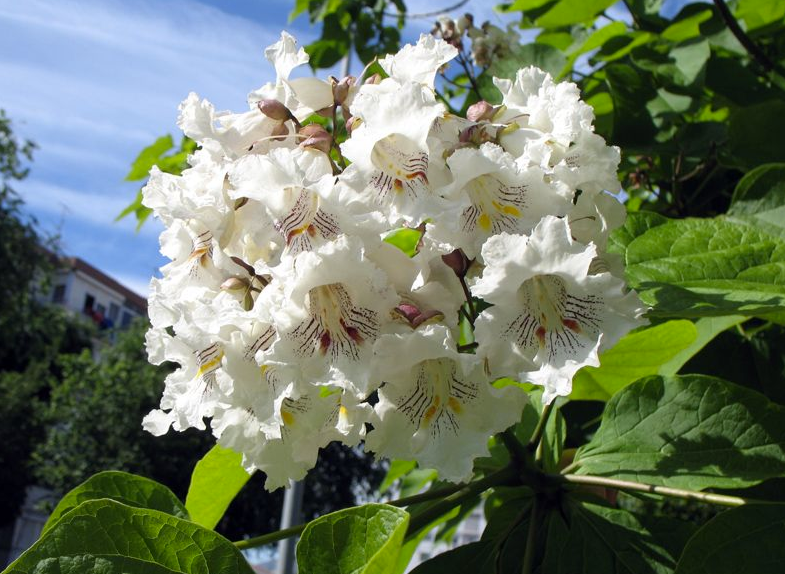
<point x="290" y="516"/>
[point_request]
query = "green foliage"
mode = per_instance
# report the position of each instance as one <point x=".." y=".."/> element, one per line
<point x="362" y="540"/>
<point x="696" y="103"/>
<point x="215" y="481"/>
<point x="406" y="239"/>
<point x="745" y="539"/>
<point x="636" y="355"/>
<point x="691" y="431"/>
<point x="603" y="539"/>
<point x="86" y="540"/>
<point x="122" y="487"/>
<point x="350" y="26"/>
<point x="706" y="267"/>
<point x="160" y="154"/>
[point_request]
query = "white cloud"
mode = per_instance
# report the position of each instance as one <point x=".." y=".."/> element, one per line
<point x="98" y="209"/>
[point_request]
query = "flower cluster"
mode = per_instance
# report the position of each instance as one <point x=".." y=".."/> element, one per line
<point x="296" y="321"/>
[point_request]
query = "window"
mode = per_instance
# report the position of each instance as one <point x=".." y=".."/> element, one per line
<point x="100" y="309"/>
<point x="114" y="311"/>
<point x="58" y="296"/>
<point x="89" y="301"/>
<point x="127" y="318"/>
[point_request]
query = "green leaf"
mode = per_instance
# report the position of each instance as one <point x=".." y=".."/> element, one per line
<point x="398" y="468"/>
<point x="619" y="46"/>
<point x="543" y="56"/>
<point x="520" y="5"/>
<point x="759" y="198"/>
<point x="608" y="540"/>
<point x="691" y="432"/>
<point x="105" y="536"/>
<point x="686" y="28"/>
<point x="596" y="40"/>
<point x="362" y="540"/>
<point x="148" y="157"/>
<point x="472" y="558"/>
<point x="759" y="13"/>
<point x="636" y="355"/>
<point x="706" y="267"/>
<point x="215" y="481"/>
<point x="406" y="239"/>
<point x="569" y="12"/>
<point x="706" y="329"/>
<point x="634" y="226"/>
<point x="747" y="146"/>
<point x="123" y="487"/>
<point x="744" y="539"/>
<point x="630" y="90"/>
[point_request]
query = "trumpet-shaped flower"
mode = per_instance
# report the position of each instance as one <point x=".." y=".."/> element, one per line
<point x="550" y="314"/>
<point x="437" y="406"/>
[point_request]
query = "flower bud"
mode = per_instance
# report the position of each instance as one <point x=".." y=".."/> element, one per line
<point x="280" y="132"/>
<point x="341" y="89"/>
<point x="458" y="262"/>
<point x="274" y="110"/>
<point x="316" y="138"/>
<point x="310" y="130"/>
<point x="463" y="23"/>
<point x="234" y="284"/>
<point x="352" y="123"/>
<point x="374" y="79"/>
<point x="480" y="111"/>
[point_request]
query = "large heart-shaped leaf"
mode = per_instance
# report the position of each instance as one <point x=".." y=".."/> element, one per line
<point x="362" y="540"/>
<point x="691" y="432"/>
<point x="105" y="536"/>
<point x="123" y="487"/>
<point x="216" y="480"/>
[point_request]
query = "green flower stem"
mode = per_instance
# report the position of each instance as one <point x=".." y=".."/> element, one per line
<point x="439" y="493"/>
<point x="469" y="301"/>
<point x="270" y="538"/>
<point x="539" y="430"/>
<point x="506" y="475"/>
<point x="708" y="497"/>
<point x="426" y="496"/>
<point x="517" y="451"/>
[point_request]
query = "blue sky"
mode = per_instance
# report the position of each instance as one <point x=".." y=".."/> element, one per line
<point x="92" y="82"/>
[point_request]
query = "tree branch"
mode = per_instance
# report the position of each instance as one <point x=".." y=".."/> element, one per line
<point x="428" y="14"/>
<point x="752" y="48"/>
<point x="419" y="521"/>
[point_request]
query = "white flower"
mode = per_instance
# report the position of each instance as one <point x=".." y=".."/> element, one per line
<point x="436" y="406"/>
<point x="292" y="186"/>
<point x="419" y="63"/>
<point x="303" y="96"/>
<point x="588" y="164"/>
<point x="233" y="133"/>
<point x="390" y="154"/>
<point x="550" y="314"/>
<point x="501" y="197"/>
<point x="329" y="308"/>
<point x="533" y="100"/>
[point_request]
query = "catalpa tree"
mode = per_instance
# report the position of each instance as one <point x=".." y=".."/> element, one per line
<point x="454" y="259"/>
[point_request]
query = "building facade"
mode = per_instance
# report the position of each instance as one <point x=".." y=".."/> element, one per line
<point x="83" y="289"/>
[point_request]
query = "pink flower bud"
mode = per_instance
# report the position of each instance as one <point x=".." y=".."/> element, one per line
<point x="280" y="132"/>
<point x="480" y="111"/>
<point x="274" y="110"/>
<point x="458" y="262"/>
<point x="341" y="89"/>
